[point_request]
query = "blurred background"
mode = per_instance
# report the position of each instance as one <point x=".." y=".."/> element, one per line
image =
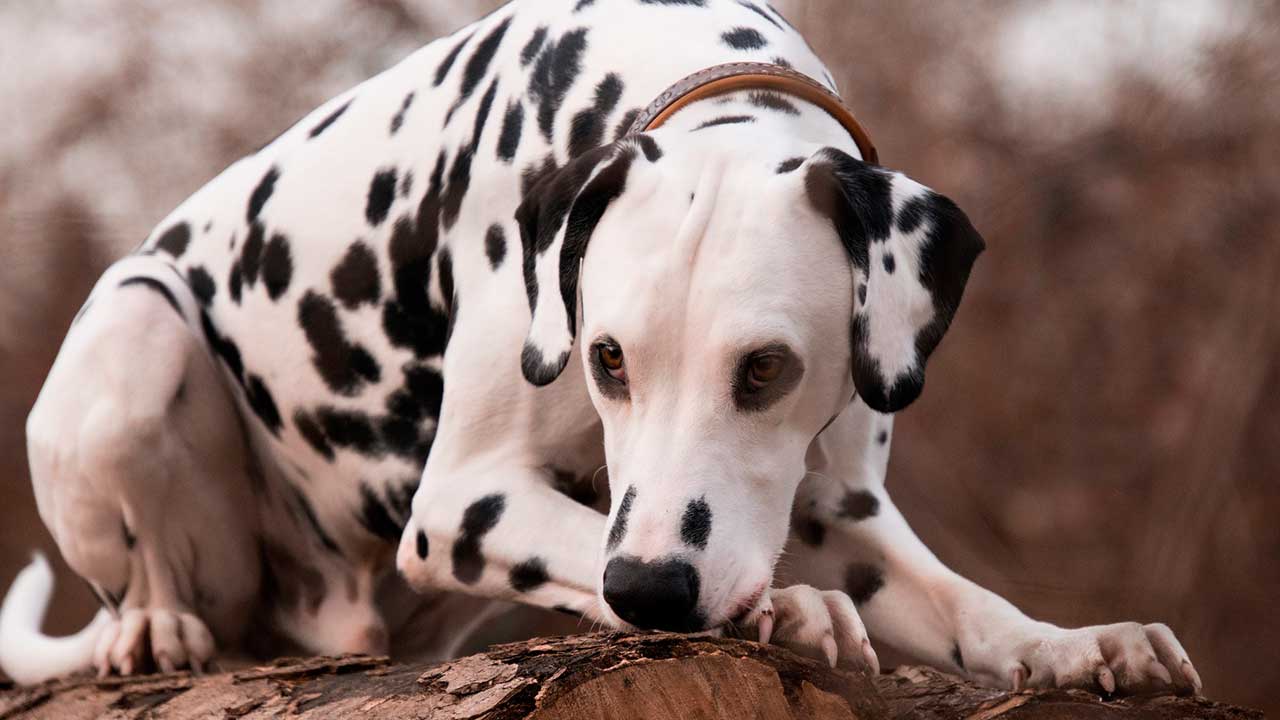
<point x="1100" y="439"/>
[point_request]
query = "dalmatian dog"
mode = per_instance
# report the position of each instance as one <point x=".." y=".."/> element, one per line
<point x="385" y="368"/>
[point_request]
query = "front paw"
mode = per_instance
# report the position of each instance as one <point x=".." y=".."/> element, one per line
<point x="1128" y="658"/>
<point x="817" y="623"/>
<point x="158" y="638"/>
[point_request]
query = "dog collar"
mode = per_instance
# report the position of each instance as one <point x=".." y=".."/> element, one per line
<point x="721" y="79"/>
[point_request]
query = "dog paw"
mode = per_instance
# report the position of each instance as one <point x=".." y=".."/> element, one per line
<point x="820" y="624"/>
<point x="162" y="639"/>
<point x="1128" y="658"/>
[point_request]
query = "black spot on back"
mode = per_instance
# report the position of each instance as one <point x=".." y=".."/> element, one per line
<point x="789" y="164"/>
<point x="531" y="48"/>
<point x="649" y="147"/>
<point x="512" y="126"/>
<point x="495" y="245"/>
<point x="693" y="3"/>
<point x="344" y="366"/>
<point x="325" y="123"/>
<point x="588" y="126"/>
<point x="772" y="101"/>
<point x="157" y="287"/>
<point x="744" y="38"/>
<point x="624" y="125"/>
<point x="382" y="191"/>
<point x="862" y="580"/>
<point x="726" y="120"/>
<point x="912" y="214"/>
<point x="175" y="240"/>
<point x="202" y="285"/>
<point x="262" y="193"/>
<point x="478" y="65"/>
<point x="409" y="319"/>
<point x="350" y="429"/>
<point x="695" y="524"/>
<point x="263" y="404"/>
<point x="477" y="520"/>
<point x="375" y="518"/>
<point x="443" y="70"/>
<point x="859" y="505"/>
<point x="251" y="253"/>
<point x="224" y="348"/>
<point x="311" y="431"/>
<point x="277" y="266"/>
<point x="619" y="529"/>
<point x="889" y="264"/>
<point x="423" y="546"/>
<point x="781" y="62"/>
<point x="355" y="279"/>
<point x="756" y="9"/>
<point x="556" y="69"/>
<point x="583" y="4"/>
<point x="397" y="120"/>
<point x="528" y="575"/>
<point x="235" y="280"/>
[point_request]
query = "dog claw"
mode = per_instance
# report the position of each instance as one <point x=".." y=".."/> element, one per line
<point x="766" y="627"/>
<point x="166" y="665"/>
<point x="1106" y="679"/>
<point x="1190" y="673"/>
<point x="1019" y="679"/>
<point x="869" y="655"/>
<point x="829" y="649"/>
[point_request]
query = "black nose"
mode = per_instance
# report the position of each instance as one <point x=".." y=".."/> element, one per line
<point x="658" y="595"/>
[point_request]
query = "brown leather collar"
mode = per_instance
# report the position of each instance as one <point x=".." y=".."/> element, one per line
<point x="729" y="77"/>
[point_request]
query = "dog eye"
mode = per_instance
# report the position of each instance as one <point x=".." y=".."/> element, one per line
<point x="764" y="369"/>
<point x="610" y="356"/>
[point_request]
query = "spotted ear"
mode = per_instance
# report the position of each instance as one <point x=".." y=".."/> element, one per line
<point x="911" y="251"/>
<point x="556" y="220"/>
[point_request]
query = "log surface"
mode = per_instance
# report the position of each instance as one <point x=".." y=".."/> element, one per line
<point x="648" y="676"/>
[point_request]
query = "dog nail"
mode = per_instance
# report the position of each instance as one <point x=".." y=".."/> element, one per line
<point x="1106" y="679"/>
<point x="1190" y="673"/>
<point x="829" y="649"/>
<point x="766" y="628"/>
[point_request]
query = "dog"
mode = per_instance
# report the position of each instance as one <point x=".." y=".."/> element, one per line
<point x="378" y="369"/>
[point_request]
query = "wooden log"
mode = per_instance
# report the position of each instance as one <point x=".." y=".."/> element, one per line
<point x="656" y="676"/>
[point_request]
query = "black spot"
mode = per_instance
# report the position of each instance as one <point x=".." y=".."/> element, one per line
<point x="157" y="286"/>
<point x="375" y="517"/>
<point x="350" y="429"/>
<point x="444" y="275"/>
<point x="277" y="266"/>
<point x="810" y="530"/>
<point x="477" y="520"/>
<point x="382" y="190"/>
<point x="859" y="505"/>
<point x="325" y="123"/>
<point x="251" y="253"/>
<point x="398" y="119"/>
<point x="531" y="48"/>
<point x="512" y="126"/>
<point x="883" y="437"/>
<point x="202" y="285"/>
<point x="495" y="245"/>
<point x="956" y="657"/>
<point x="344" y="366"/>
<point x="790" y="164"/>
<point x="624" y="125"/>
<point x="478" y="65"/>
<point x="443" y="70"/>
<point x="619" y="529"/>
<point x="744" y="38"/>
<point x="224" y="348"/>
<point x="756" y="9"/>
<point x="694" y="3"/>
<point x="313" y="521"/>
<point x="556" y="69"/>
<point x="912" y="214"/>
<point x="460" y="172"/>
<point x="355" y="279"/>
<point x="175" y="240"/>
<point x="726" y="120"/>
<point x="406" y="184"/>
<point x="528" y="575"/>
<point x="235" y="280"/>
<point x="772" y="101"/>
<point x="695" y="524"/>
<point x="129" y="538"/>
<point x="264" y="406"/>
<point x="582" y="4"/>
<point x="422" y="545"/>
<point x="862" y="293"/>
<point x="534" y="174"/>
<point x="262" y="193"/>
<point x="889" y="264"/>
<point x="313" y="434"/>
<point x="781" y="62"/>
<point x="649" y="147"/>
<point x="587" y="127"/>
<point x="861" y="581"/>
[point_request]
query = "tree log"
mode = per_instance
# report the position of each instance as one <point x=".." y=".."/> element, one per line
<point x="655" y="676"/>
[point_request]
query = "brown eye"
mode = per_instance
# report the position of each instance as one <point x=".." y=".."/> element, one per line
<point x="611" y="360"/>
<point x="763" y="370"/>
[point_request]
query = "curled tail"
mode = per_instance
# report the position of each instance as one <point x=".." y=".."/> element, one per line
<point x="28" y="655"/>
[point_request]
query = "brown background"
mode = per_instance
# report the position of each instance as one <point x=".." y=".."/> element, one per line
<point x="1100" y="438"/>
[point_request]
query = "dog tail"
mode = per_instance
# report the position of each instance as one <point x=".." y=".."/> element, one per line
<point x="28" y="655"/>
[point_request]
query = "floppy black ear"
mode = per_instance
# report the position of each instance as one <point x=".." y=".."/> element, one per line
<point x="911" y="251"/>
<point x="556" y="220"/>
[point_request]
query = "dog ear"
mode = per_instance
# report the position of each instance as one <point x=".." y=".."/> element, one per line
<point x="556" y="220"/>
<point x="911" y="251"/>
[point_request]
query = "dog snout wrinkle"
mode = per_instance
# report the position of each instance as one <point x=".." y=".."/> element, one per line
<point x="656" y="595"/>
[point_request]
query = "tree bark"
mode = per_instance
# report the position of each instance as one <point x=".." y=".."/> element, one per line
<point x="655" y="676"/>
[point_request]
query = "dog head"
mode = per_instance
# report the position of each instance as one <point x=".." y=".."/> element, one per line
<point x="730" y="306"/>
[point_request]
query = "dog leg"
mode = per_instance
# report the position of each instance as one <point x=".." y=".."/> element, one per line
<point x="847" y="534"/>
<point x="138" y="460"/>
